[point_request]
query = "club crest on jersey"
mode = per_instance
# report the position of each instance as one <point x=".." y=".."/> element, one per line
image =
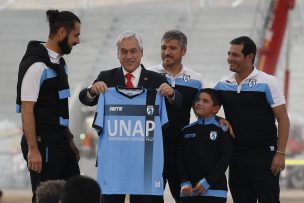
<point x="186" y="78"/>
<point x="150" y="110"/>
<point x="213" y="135"/>
<point x="252" y="82"/>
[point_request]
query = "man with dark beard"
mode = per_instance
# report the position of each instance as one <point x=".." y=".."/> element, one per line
<point x="42" y="99"/>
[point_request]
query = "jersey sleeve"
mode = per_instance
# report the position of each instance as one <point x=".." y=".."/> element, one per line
<point x="99" y="115"/>
<point x="31" y="82"/>
<point x="277" y="93"/>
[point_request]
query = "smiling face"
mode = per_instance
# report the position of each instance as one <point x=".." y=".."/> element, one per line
<point x="204" y="106"/>
<point x="129" y="53"/>
<point x="237" y="61"/>
<point x="172" y="53"/>
<point x="70" y="39"/>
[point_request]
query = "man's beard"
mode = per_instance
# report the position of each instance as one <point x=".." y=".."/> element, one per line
<point x="64" y="46"/>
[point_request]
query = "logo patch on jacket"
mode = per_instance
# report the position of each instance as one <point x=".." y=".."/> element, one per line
<point x="186" y="78"/>
<point x="150" y="110"/>
<point x="213" y="135"/>
<point x="252" y="82"/>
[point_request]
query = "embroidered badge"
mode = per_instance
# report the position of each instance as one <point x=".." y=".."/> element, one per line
<point x="186" y="78"/>
<point x="150" y="110"/>
<point x="252" y="82"/>
<point x="213" y="135"/>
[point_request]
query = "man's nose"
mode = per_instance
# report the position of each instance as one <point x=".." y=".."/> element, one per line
<point x="129" y="55"/>
<point x="229" y="58"/>
<point x="167" y="52"/>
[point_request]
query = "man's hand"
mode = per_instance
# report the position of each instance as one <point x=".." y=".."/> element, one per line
<point x="97" y="88"/>
<point x="199" y="189"/>
<point x="34" y="159"/>
<point x="166" y="90"/>
<point x="278" y="163"/>
<point x="187" y="190"/>
<point x="226" y="123"/>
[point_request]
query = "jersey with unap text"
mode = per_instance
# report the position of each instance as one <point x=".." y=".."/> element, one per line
<point x="130" y="147"/>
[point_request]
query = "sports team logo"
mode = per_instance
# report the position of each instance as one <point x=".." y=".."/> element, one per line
<point x="150" y="110"/>
<point x="252" y="82"/>
<point x="186" y="78"/>
<point x="213" y="135"/>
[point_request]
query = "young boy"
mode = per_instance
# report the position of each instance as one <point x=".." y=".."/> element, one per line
<point x="204" y="153"/>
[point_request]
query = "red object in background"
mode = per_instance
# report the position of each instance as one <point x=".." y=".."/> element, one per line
<point x="274" y="35"/>
<point x="295" y="146"/>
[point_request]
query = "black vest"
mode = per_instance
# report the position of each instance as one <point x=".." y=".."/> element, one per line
<point x="51" y="109"/>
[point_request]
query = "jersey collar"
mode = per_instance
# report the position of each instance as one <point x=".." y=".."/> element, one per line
<point x="163" y="70"/>
<point x="206" y="121"/>
<point x="253" y="74"/>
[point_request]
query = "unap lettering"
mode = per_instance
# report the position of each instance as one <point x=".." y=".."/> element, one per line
<point x="130" y="128"/>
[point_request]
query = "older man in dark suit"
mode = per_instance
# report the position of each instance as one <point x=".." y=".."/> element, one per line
<point x="131" y="74"/>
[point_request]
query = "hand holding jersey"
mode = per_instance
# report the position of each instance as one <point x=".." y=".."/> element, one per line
<point x="100" y="87"/>
<point x="129" y="52"/>
<point x="166" y="90"/>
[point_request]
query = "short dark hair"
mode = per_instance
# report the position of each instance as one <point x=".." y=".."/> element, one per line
<point x="177" y="35"/>
<point x="215" y="96"/>
<point x="81" y="189"/>
<point x="248" y="43"/>
<point x="59" y="19"/>
<point x="49" y="191"/>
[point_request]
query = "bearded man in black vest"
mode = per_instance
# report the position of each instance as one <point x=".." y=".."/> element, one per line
<point x="42" y="99"/>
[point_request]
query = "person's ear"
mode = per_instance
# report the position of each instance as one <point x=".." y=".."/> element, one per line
<point x="61" y="33"/>
<point x="184" y="51"/>
<point x="250" y="57"/>
<point x="216" y="109"/>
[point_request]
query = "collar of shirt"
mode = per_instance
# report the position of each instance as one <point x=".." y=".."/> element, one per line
<point x="136" y="75"/>
<point x="54" y="57"/>
<point x="182" y="71"/>
<point x="253" y="73"/>
<point x="206" y="121"/>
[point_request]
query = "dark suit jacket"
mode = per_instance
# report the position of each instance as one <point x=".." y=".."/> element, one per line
<point x="115" y="77"/>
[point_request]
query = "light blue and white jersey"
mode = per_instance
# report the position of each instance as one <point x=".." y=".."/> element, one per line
<point x="130" y="147"/>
